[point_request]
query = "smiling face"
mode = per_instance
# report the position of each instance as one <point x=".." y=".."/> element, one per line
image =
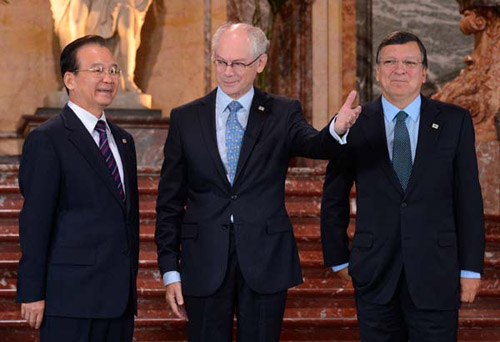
<point x="234" y="46"/>
<point x="86" y="89"/>
<point x="400" y="84"/>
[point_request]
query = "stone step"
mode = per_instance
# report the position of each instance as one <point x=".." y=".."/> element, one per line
<point x="10" y="251"/>
<point x="301" y="303"/>
<point x="332" y="320"/>
<point x="293" y="330"/>
<point x="301" y="212"/>
<point x="306" y="229"/>
<point x="316" y="276"/>
<point x="306" y="179"/>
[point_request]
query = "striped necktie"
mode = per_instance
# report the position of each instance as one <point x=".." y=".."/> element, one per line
<point x="100" y="127"/>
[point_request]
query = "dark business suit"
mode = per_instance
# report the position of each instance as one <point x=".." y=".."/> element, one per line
<point x="431" y="231"/>
<point x="79" y="240"/>
<point x="196" y="200"/>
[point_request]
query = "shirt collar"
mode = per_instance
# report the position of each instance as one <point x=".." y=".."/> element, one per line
<point x="413" y="109"/>
<point x="88" y="119"/>
<point x="246" y="100"/>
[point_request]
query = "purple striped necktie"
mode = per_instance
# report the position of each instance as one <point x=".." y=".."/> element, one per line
<point x="108" y="156"/>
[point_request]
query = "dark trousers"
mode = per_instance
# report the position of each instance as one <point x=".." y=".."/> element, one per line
<point x="68" y="329"/>
<point x="401" y="321"/>
<point x="258" y="316"/>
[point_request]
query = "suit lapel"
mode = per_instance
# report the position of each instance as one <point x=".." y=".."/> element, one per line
<point x="258" y="110"/>
<point x="80" y="137"/>
<point x="428" y="134"/>
<point x="208" y="130"/>
<point x="120" y="141"/>
<point x="374" y="131"/>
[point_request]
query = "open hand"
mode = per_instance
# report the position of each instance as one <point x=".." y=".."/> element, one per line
<point x="347" y="116"/>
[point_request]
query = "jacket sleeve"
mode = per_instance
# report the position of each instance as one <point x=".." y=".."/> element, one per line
<point x="39" y="181"/>
<point x="335" y="211"/>
<point x="305" y="140"/>
<point x="172" y="196"/>
<point x="468" y="201"/>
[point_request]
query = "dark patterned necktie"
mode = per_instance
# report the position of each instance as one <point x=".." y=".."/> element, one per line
<point x="401" y="150"/>
<point x="234" y="137"/>
<point x="108" y="156"/>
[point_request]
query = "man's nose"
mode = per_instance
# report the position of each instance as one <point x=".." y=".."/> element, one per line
<point x="400" y="67"/>
<point x="106" y="77"/>
<point x="229" y="70"/>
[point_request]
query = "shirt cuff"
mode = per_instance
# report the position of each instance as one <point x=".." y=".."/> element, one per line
<point x="341" y="141"/>
<point x="171" y="277"/>
<point x="340" y="267"/>
<point x="470" y="274"/>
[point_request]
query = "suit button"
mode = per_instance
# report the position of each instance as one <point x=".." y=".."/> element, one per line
<point x="234" y="197"/>
<point x="404" y="205"/>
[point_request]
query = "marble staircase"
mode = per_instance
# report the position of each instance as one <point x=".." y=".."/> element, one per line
<point x="321" y="309"/>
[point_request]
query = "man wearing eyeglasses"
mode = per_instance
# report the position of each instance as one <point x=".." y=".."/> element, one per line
<point x="225" y="241"/>
<point x="418" y="246"/>
<point x="79" y="225"/>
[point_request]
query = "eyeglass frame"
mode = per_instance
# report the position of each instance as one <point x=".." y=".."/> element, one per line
<point x="408" y="64"/>
<point x="99" y="70"/>
<point x="231" y="64"/>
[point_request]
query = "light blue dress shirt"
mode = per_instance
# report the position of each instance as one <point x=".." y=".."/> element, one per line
<point x="221" y="115"/>
<point x="412" y="124"/>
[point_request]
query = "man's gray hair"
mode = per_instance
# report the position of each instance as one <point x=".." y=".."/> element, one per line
<point x="258" y="40"/>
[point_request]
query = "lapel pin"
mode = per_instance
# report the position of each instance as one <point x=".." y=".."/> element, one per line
<point x="261" y="108"/>
<point x="124" y="140"/>
<point x="435" y="126"/>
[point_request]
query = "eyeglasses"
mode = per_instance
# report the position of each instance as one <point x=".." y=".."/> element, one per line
<point x="392" y="63"/>
<point x="99" y="70"/>
<point x="238" y="67"/>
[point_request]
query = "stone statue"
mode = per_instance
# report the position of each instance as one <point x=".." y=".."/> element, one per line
<point x="477" y="86"/>
<point x="119" y="21"/>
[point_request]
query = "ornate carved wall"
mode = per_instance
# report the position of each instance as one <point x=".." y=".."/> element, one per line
<point x="477" y="89"/>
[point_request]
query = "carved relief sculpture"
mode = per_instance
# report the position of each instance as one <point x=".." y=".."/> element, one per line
<point x="477" y="86"/>
<point x="477" y="89"/>
<point x="119" y="21"/>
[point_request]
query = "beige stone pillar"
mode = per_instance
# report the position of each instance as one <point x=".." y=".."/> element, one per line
<point x="327" y="60"/>
<point x="219" y="17"/>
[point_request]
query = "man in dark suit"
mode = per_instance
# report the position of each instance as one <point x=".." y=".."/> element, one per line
<point x="222" y="226"/>
<point x="419" y="241"/>
<point x="79" y="225"/>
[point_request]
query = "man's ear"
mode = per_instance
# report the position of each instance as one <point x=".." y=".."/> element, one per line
<point x="69" y="80"/>
<point x="424" y="75"/>
<point x="261" y="63"/>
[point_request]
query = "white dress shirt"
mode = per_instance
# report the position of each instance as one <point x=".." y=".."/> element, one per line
<point x="90" y="121"/>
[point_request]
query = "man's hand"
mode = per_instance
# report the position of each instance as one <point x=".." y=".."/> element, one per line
<point x="347" y="116"/>
<point x="469" y="288"/>
<point x="33" y="313"/>
<point x="344" y="274"/>
<point x="174" y="298"/>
